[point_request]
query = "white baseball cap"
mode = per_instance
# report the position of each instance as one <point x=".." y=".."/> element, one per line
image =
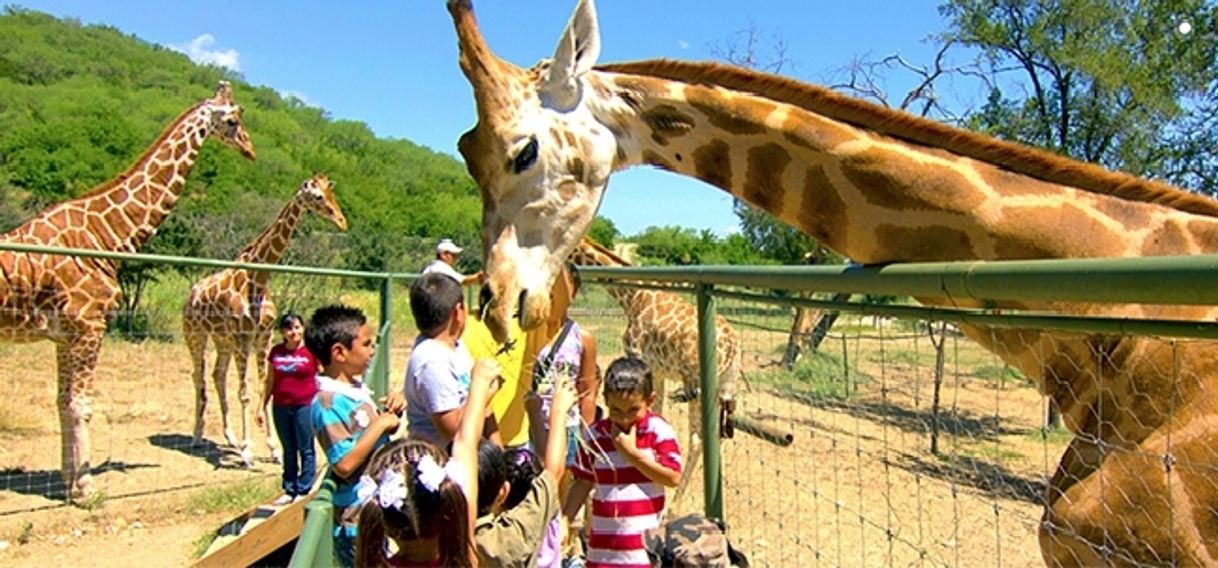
<point x="446" y="245"/>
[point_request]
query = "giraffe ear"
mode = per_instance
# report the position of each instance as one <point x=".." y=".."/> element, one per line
<point x="577" y="51"/>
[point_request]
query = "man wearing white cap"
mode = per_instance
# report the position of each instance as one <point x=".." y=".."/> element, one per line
<point x="446" y="257"/>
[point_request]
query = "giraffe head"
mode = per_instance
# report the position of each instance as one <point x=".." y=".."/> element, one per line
<point x="540" y="157"/>
<point x="226" y="124"/>
<point x="316" y="194"/>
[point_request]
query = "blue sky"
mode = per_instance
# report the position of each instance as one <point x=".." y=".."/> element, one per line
<point x="393" y="65"/>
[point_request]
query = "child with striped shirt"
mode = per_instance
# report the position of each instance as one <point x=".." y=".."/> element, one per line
<point x="626" y="461"/>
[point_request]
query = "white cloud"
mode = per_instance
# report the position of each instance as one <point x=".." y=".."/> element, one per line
<point x="200" y="50"/>
<point x="682" y="44"/>
<point x="302" y="97"/>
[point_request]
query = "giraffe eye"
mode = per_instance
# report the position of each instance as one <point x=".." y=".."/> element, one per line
<point x="526" y="158"/>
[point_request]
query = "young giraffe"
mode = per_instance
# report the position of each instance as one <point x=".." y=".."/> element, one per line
<point x="66" y="299"/>
<point x="1134" y="485"/>
<point x="234" y="309"/>
<point x="662" y="329"/>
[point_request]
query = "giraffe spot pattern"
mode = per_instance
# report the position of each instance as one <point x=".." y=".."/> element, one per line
<point x="713" y="164"/>
<point x="763" y="185"/>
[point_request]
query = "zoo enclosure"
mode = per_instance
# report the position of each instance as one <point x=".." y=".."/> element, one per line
<point x="1112" y="281"/>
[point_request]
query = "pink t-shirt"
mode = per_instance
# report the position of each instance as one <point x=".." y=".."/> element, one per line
<point x="295" y="375"/>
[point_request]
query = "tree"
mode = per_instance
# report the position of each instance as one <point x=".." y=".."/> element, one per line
<point x="1121" y="83"/>
<point x="603" y="232"/>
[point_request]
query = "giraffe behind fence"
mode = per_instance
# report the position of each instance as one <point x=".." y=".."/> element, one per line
<point x="233" y="309"/>
<point x="66" y="299"/>
<point x="662" y="329"/>
<point x="1134" y="486"/>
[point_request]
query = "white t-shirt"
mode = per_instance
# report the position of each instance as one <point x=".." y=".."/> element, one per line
<point x="437" y="381"/>
<point x="442" y="267"/>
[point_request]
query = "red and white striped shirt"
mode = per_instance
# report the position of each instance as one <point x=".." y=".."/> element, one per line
<point x="625" y="504"/>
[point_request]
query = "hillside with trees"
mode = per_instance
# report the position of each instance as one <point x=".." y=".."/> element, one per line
<point x="79" y="103"/>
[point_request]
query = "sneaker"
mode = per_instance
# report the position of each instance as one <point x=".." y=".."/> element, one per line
<point x="282" y="500"/>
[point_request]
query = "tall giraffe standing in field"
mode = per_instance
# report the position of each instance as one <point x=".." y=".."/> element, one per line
<point x="1135" y="485"/>
<point x="67" y="299"/>
<point x="662" y="329"/>
<point x="233" y="308"/>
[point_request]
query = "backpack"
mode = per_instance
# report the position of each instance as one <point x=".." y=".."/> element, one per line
<point x="692" y="540"/>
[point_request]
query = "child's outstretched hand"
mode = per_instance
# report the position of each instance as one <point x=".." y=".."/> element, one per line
<point x="487" y="371"/>
<point x="565" y="397"/>
<point x="388" y="422"/>
<point x="532" y="403"/>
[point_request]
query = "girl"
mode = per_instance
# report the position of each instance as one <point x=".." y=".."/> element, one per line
<point x="525" y="531"/>
<point x="291" y="382"/>
<point x="570" y="356"/>
<point x="419" y="503"/>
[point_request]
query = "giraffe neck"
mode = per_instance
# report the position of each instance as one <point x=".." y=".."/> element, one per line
<point x="870" y="196"/>
<point x="270" y="245"/>
<point x="124" y="212"/>
<point x="590" y="255"/>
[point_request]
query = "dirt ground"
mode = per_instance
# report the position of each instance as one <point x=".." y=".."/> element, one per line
<point x="858" y="486"/>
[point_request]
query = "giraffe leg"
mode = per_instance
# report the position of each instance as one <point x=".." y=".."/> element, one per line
<point x="692" y="449"/>
<point x="197" y="344"/>
<point x="224" y="354"/>
<point x="272" y="441"/>
<point x="242" y="354"/>
<point x="77" y="360"/>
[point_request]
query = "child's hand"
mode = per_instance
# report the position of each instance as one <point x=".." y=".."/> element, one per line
<point x="394" y="402"/>
<point x="565" y="397"/>
<point x="488" y="372"/>
<point x="625" y="440"/>
<point x="388" y="422"/>
<point x="259" y="417"/>
<point x="532" y="403"/>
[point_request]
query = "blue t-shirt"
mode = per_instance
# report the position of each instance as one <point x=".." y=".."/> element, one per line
<point x="437" y="381"/>
<point x="341" y="413"/>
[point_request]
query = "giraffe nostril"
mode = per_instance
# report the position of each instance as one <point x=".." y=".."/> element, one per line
<point x="524" y="294"/>
<point x="485" y="297"/>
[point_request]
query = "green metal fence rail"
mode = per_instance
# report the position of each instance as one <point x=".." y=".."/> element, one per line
<point x="1147" y="280"/>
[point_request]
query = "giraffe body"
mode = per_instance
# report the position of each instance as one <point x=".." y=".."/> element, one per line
<point x="662" y="330"/>
<point x="878" y="186"/>
<point x="233" y="309"/>
<point x="67" y="300"/>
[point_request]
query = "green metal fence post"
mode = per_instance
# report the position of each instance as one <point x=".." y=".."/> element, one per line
<point x="380" y="383"/>
<point x="712" y="473"/>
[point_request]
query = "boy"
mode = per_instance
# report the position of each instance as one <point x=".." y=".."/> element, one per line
<point x="628" y="458"/>
<point x="438" y="374"/>
<point x="346" y="420"/>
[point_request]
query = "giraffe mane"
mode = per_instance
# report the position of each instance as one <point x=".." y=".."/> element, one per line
<point x="148" y="150"/>
<point x="1033" y="162"/>
<point x="604" y="251"/>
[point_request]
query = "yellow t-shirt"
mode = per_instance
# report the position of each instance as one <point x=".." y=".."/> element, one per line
<point x="508" y="403"/>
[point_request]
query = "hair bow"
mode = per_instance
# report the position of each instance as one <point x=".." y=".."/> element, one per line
<point x="431" y="475"/>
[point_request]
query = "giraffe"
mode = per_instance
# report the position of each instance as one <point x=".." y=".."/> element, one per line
<point x="66" y="299"/>
<point x="878" y="186"/>
<point x="662" y="329"/>
<point x="233" y="308"/>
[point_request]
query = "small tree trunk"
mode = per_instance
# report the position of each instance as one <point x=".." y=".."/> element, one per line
<point x="800" y="329"/>
<point x="825" y="324"/>
<point x="1053" y="415"/>
<point x="937" y="340"/>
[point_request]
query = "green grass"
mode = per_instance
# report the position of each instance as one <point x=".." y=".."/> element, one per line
<point x="819" y="375"/>
<point x="233" y="498"/>
<point x="1000" y="374"/>
<point x="1054" y="436"/>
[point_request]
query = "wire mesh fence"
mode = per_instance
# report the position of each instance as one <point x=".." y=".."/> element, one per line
<point x="888" y="442"/>
<point x="143" y="398"/>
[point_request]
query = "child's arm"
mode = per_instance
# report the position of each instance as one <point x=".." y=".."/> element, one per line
<point x="358" y="454"/>
<point x="576" y="496"/>
<point x="484" y="380"/>
<point x="537" y="424"/>
<point x="647" y="465"/>
<point x="587" y="382"/>
<point x="555" y="457"/>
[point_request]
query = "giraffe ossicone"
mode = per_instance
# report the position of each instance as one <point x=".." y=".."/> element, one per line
<point x="233" y="309"/>
<point x="49" y="297"/>
<point x="876" y="185"/>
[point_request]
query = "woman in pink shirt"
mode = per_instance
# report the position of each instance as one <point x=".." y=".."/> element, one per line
<point x="291" y="383"/>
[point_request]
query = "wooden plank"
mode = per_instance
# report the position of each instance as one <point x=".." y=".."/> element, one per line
<point x="262" y="531"/>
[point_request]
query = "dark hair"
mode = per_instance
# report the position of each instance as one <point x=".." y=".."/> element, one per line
<point x="330" y="325"/>
<point x="433" y="297"/>
<point x="576" y="280"/>
<point x="628" y="375"/>
<point x="492" y="472"/>
<point x="523" y="466"/>
<point x="442" y="514"/>
<point x="287" y="319"/>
